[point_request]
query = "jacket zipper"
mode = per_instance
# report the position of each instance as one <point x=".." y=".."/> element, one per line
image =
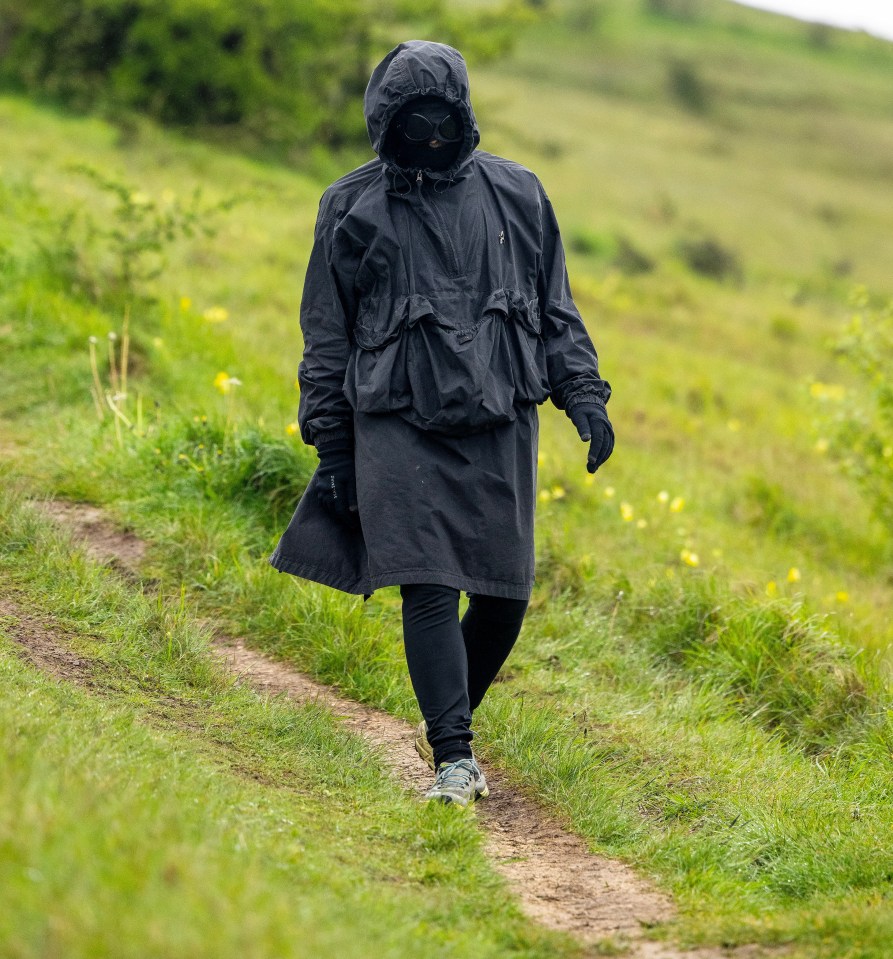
<point x="445" y="240"/>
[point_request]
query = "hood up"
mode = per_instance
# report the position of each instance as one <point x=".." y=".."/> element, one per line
<point x="413" y="69"/>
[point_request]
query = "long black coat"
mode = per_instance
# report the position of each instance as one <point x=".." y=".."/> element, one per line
<point x="436" y="315"/>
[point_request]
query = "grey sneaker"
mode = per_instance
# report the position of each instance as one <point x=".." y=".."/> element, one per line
<point x="454" y="783"/>
<point x="423" y="748"/>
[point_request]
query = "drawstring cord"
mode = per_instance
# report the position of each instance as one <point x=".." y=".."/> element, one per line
<point x="405" y="177"/>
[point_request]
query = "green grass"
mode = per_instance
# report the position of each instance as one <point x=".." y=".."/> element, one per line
<point x="169" y="812"/>
<point x="724" y="726"/>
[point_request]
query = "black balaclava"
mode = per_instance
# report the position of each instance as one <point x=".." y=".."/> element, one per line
<point x="413" y="155"/>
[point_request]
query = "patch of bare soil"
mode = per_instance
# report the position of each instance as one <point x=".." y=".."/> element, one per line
<point x="103" y="540"/>
<point x="559" y="882"/>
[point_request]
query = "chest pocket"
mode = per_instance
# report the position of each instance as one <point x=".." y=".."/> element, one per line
<point x="458" y="367"/>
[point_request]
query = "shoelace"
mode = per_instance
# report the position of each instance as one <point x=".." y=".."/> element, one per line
<point x="459" y="773"/>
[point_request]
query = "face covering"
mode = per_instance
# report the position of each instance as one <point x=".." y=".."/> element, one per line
<point x="426" y="133"/>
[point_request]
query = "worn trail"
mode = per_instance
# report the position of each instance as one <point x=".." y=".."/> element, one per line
<point x="559" y="882"/>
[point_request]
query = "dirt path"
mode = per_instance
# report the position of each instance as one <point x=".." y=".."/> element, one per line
<point x="559" y="882"/>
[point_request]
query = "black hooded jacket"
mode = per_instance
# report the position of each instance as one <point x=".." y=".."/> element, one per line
<point x="438" y="295"/>
<point x="436" y="315"/>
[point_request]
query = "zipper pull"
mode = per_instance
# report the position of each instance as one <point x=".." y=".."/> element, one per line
<point x="418" y="179"/>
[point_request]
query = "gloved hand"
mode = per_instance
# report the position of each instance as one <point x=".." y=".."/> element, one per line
<point x="336" y="481"/>
<point x="591" y="420"/>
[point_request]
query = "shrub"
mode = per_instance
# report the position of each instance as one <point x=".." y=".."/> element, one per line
<point x="709" y="257"/>
<point x="860" y="431"/>
<point x="282" y="72"/>
<point x="686" y="86"/>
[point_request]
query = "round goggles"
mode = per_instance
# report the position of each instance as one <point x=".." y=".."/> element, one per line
<point x="419" y="128"/>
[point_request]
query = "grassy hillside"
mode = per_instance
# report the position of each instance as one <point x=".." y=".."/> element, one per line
<point x="704" y="643"/>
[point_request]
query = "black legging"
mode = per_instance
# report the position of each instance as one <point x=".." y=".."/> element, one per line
<point x="452" y="664"/>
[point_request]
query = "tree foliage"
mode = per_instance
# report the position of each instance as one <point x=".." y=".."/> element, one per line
<point x="282" y="72"/>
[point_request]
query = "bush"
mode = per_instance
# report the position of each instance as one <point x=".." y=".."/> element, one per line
<point x="860" y="431"/>
<point x="686" y="86"/>
<point x="709" y="257"/>
<point x="282" y="72"/>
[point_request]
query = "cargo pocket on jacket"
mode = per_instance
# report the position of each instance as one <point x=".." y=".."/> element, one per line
<point x="375" y="380"/>
<point x="523" y="328"/>
<point x="444" y="377"/>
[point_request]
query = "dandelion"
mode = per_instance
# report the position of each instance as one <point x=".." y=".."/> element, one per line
<point x="641" y="523"/>
<point x="216" y="314"/>
<point x="626" y="511"/>
<point x="185" y="304"/>
<point x="677" y="504"/>
<point x="609" y="492"/>
<point x="793" y="575"/>
<point x="771" y="588"/>
<point x="545" y="496"/>
<point x="292" y="429"/>
<point x="663" y="497"/>
<point x="297" y="384"/>
<point x="688" y="557"/>
<point x="827" y="391"/>
<point x="224" y="382"/>
<point x="558" y="492"/>
<point x="821" y="445"/>
<point x="842" y="596"/>
<point x="589" y="479"/>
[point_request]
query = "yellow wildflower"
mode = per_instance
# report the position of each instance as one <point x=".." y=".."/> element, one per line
<point x="827" y="391"/>
<point x="689" y="558"/>
<point x="138" y="198"/>
<point x="842" y="596"/>
<point x="734" y="425"/>
<point x="545" y="496"/>
<point x="292" y="429"/>
<point x="589" y="479"/>
<point x="609" y="491"/>
<point x="157" y="342"/>
<point x="677" y="504"/>
<point x="540" y="459"/>
<point x="771" y="588"/>
<point x="663" y="496"/>
<point x="216" y="314"/>
<point x="224" y="382"/>
<point x="642" y="523"/>
<point x="185" y="303"/>
<point x="821" y="445"/>
<point x="558" y="492"/>
<point x="793" y="575"/>
<point x="626" y="511"/>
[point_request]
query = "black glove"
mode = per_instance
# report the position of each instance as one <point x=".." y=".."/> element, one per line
<point x="336" y="481"/>
<point x="591" y="420"/>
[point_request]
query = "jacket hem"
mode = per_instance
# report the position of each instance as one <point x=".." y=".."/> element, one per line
<point x="316" y="575"/>
<point x="365" y="588"/>
<point x="440" y="577"/>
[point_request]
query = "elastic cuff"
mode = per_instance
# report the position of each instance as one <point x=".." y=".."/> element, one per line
<point x="339" y="435"/>
<point x="585" y="396"/>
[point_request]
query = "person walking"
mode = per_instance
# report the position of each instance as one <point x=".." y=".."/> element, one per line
<point x="437" y="316"/>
